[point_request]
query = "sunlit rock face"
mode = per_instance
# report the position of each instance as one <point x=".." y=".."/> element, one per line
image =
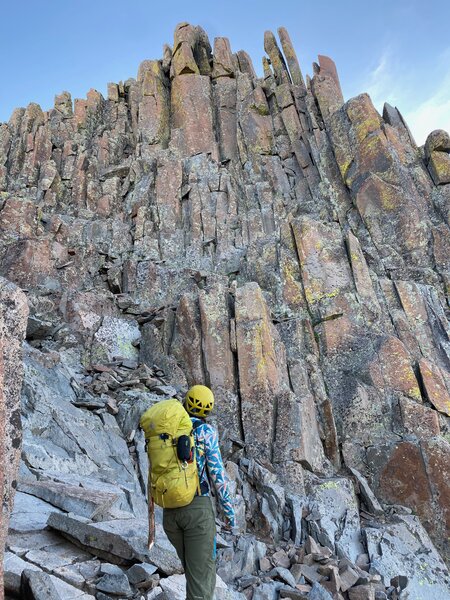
<point x="259" y="235"/>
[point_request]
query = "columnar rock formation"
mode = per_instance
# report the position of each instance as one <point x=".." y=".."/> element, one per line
<point x="13" y="320"/>
<point x="259" y="235"/>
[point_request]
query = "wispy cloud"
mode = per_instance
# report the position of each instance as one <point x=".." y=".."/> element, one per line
<point x="381" y="82"/>
<point x="433" y="113"/>
<point x="389" y="81"/>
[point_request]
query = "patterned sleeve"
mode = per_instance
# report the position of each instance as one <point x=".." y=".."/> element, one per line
<point x="217" y="474"/>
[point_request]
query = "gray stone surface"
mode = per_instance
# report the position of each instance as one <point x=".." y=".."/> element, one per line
<point x="283" y="574"/>
<point x="140" y="572"/>
<point x="57" y="555"/>
<point x="36" y="584"/>
<point x="30" y="513"/>
<point x="117" y="539"/>
<point x="296" y="504"/>
<point x="70" y="498"/>
<point x="337" y="509"/>
<point x="131" y="408"/>
<point x="267" y="591"/>
<point x="115" y="338"/>
<point x="34" y="540"/>
<point x="368" y="496"/>
<point x="318" y="592"/>
<point x="74" y="441"/>
<point x="14" y="566"/>
<point x="175" y="589"/>
<point x="242" y="559"/>
<point x="110" y="569"/>
<point x="156" y="594"/>
<point x="115" y="583"/>
<point x="293" y="594"/>
<point x="404" y="548"/>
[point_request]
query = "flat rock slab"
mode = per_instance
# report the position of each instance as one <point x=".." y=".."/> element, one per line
<point x="20" y="543"/>
<point x="14" y="567"/>
<point x="162" y="555"/>
<point x="116" y="539"/>
<point x="119" y="541"/>
<point x="94" y="485"/>
<point x="29" y="513"/>
<point x="57" y="555"/>
<point x="74" y="442"/>
<point x="36" y="585"/>
<point x="70" y="498"/>
<point x="404" y="548"/>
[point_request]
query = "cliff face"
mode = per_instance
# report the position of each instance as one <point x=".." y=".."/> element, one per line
<point x="262" y="236"/>
<point x="13" y="320"/>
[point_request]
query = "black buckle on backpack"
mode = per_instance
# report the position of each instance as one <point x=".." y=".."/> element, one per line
<point x="164" y="436"/>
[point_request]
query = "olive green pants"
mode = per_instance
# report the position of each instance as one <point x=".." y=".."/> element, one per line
<point x="192" y="530"/>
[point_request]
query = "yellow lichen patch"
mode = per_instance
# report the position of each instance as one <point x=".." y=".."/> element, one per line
<point x="329" y="485"/>
<point x="292" y="290"/>
<point x="343" y="160"/>
<point x="440" y="163"/>
<point x="314" y="293"/>
<point x="319" y="245"/>
<point x="363" y="116"/>
<point x="435" y="387"/>
<point x="387" y="200"/>
<point x="374" y="155"/>
<point x="396" y="370"/>
<point x="369" y="125"/>
<point x="414" y="393"/>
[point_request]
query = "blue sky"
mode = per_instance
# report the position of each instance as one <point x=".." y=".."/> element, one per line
<point x="397" y="50"/>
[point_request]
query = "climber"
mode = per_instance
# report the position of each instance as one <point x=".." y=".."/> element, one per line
<point x="192" y="529"/>
<point x="189" y="522"/>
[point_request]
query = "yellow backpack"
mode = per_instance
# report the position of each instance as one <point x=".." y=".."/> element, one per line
<point x="173" y="481"/>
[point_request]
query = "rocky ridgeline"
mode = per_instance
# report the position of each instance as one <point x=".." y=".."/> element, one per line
<point x="262" y="236"/>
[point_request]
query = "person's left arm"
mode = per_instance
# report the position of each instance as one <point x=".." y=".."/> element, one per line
<point x="217" y="473"/>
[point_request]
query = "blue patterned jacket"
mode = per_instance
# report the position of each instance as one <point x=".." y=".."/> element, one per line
<point x="209" y="458"/>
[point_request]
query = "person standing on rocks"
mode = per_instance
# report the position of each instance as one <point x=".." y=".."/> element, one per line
<point x="190" y="527"/>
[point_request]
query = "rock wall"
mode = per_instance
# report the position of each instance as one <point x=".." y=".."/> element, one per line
<point x="259" y="235"/>
<point x="13" y="320"/>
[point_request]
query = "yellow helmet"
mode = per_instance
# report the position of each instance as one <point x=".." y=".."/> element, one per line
<point x="199" y="401"/>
